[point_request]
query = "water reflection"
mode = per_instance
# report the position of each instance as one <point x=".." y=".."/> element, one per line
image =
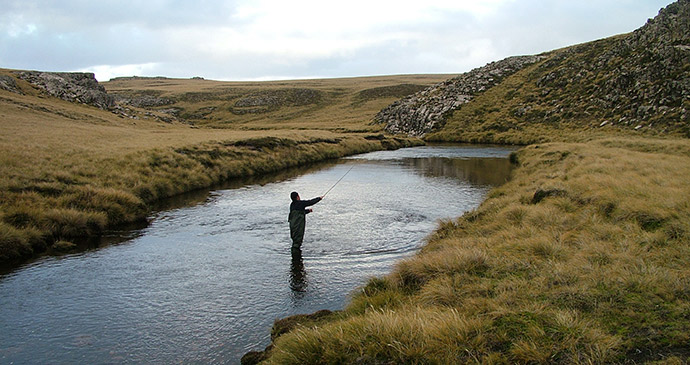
<point x="298" y="276"/>
<point x="484" y="171"/>
<point x="204" y="281"/>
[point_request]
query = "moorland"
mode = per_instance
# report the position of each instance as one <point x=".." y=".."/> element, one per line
<point x="580" y="258"/>
<point x="72" y="168"/>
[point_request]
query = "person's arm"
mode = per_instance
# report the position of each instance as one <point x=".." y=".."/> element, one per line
<point x="312" y="201"/>
<point x="301" y="205"/>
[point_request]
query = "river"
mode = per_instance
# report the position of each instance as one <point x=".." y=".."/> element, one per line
<point x="205" y="279"/>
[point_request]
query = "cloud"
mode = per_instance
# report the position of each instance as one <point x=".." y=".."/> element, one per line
<point x="255" y="39"/>
<point x="106" y="72"/>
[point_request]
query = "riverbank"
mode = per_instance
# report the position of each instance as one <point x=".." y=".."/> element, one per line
<point x="205" y="278"/>
<point x="581" y="257"/>
<point x="71" y="201"/>
<point x="70" y="170"/>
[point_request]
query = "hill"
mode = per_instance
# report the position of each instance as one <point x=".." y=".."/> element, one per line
<point x="341" y="105"/>
<point x="637" y="82"/>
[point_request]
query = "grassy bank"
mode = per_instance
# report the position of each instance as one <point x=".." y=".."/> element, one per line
<point x="69" y="171"/>
<point x="82" y="198"/>
<point x="581" y="258"/>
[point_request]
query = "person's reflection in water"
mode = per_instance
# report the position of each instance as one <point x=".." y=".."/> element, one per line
<point x="298" y="276"/>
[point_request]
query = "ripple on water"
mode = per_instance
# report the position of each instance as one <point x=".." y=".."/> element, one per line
<point x="204" y="283"/>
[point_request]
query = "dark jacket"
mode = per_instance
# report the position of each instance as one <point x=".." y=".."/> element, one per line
<point x="301" y="205"/>
<point x="297" y="219"/>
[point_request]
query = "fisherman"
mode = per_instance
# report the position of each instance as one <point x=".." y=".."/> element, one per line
<point x="297" y="218"/>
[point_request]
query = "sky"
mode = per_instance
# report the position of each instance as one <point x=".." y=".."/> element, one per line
<point x="243" y="40"/>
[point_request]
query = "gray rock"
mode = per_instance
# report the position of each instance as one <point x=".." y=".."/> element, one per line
<point x="428" y="109"/>
<point x="79" y="87"/>
<point x="8" y="83"/>
<point x="271" y="100"/>
<point x="143" y="101"/>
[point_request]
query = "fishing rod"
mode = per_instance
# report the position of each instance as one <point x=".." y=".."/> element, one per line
<point x="336" y="183"/>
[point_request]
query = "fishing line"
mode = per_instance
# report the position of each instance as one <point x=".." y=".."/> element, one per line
<point x="336" y="183"/>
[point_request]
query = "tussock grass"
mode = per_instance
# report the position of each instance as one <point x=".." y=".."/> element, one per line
<point x="69" y="171"/>
<point x="446" y="336"/>
<point x="593" y="271"/>
<point x="82" y="204"/>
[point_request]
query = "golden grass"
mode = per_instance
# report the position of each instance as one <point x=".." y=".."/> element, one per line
<point x="69" y="170"/>
<point x="581" y="258"/>
<point x="345" y="104"/>
<point x="594" y="270"/>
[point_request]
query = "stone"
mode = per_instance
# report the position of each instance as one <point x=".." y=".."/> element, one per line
<point x="78" y="87"/>
<point x="8" y="83"/>
<point x="424" y="111"/>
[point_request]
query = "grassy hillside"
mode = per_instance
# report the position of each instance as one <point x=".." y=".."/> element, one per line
<point x="71" y="170"/>
<point x="340" y="105"/>
<point x="558" y="99"/>
<point x="632" y="84"/>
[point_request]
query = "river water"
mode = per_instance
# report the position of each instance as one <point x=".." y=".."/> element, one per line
<point x="205" y="279"/>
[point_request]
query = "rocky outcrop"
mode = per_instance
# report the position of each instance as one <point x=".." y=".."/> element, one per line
<point x="639" y="81"/>
<point x="8" y="83"/>
<point x="79" y="87"/>
<point x="270" y="100"/>
<point x="426" y="110"/>
<point x="83" y="88"/>
<point x="143" y="101"/>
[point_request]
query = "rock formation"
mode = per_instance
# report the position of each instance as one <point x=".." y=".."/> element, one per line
<point x="271" y="100"/>
<point x="426" y="110"/>
<point x="79" y="87"/>
<point x="8" y="83"/>
<point x="143" y="101"/>
<point x="83" y="88"/>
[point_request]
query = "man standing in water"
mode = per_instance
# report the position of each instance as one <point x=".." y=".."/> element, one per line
<point x="297" y="218"/>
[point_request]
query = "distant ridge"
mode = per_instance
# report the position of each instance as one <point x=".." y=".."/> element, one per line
<point x="129" y="78"/>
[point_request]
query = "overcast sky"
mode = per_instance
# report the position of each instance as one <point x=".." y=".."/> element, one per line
<point x="281" y="39"/>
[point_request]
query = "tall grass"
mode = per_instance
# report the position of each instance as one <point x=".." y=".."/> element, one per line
<point x="68" y="170"/>
<point x="591" y="269"/>
<point x="37" y="211"/>
<point x="447" y="336"/>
